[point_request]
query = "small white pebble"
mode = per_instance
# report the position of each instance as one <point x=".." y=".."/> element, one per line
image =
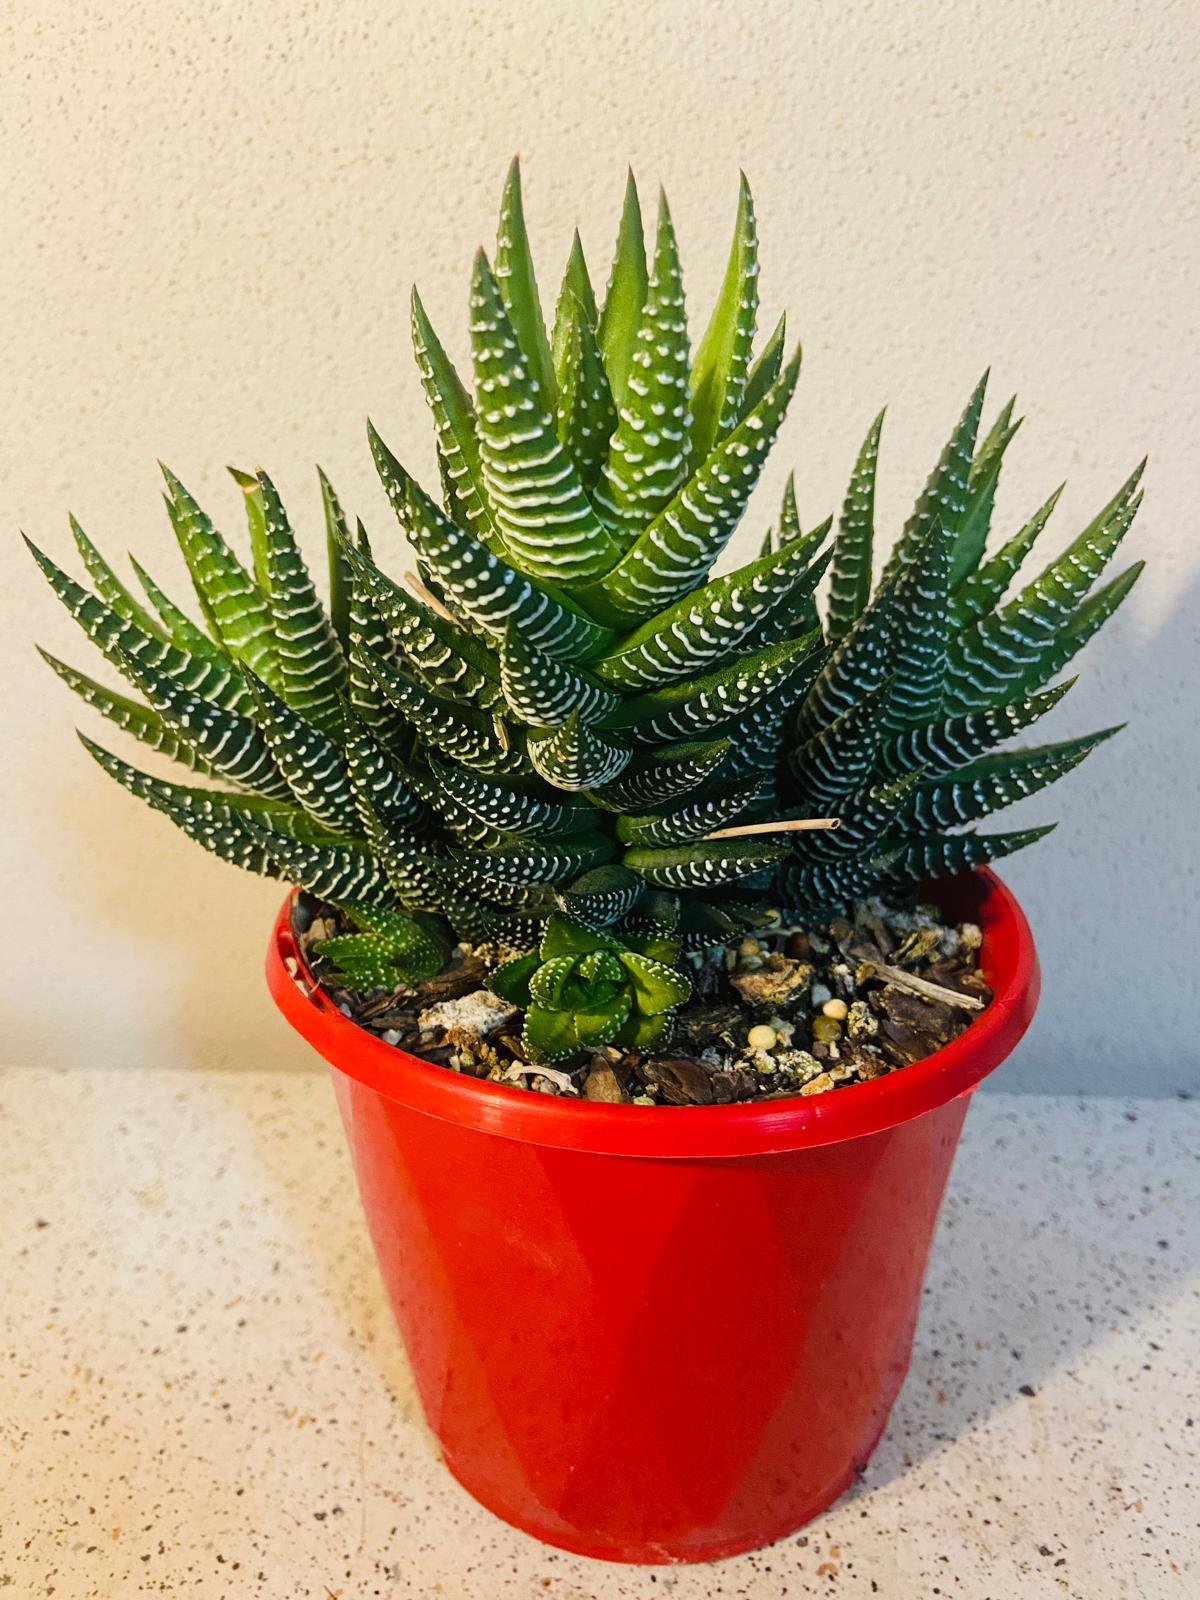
<point x="837" y="1009"/>
<point x="971" y="936"/>
<point x="820" y="993"/>
<point x="391" y="1036"/>
<point x="761" y="1037"/>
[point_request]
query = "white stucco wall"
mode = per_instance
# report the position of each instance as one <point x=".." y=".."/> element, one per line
<point x="213" y="216"/>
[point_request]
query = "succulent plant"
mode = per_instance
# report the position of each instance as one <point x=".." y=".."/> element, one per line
<point x="566" y="711"/>
<point x="583" y="987"/>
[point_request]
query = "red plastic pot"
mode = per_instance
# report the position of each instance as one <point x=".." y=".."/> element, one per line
<point x="657" y="1333"/>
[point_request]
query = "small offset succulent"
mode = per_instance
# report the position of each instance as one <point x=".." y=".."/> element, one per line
<point x="583" y="987"/>
<point x="566" y="712"/>
<point x="389" y="948"/>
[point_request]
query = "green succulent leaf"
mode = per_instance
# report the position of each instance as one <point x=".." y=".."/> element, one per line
<point x="234" y="606"/>
<point x="337" y="539"/>
<point x="177" y="626"/>
<point x="518" y="285"/>
<point x="256" y="526"/>
<point x="511" y="980"/>
<point x="945" y="744"/>
<point x="550" y="863"/>
<point x="980" y="592"/>
<point x="575" y="756"/>
<point x="392" y="948"/>
<point x="709" y="626"/>
<point x="944" y="497"/>
<point x="235" y="827"/>
<point x="766" y="368"/>
<point x="708" y="704"/>
<point x="971" y="793"/>
<point x="703" y="865"/>
<point x="992" y="658"/>
<point x="678" y="549"/>
<point x="711" y="810"/>
<point x="312" y="765"/>
<point x="626" y="295"/>
<point x="513" y="805"/>
<point x="550" y="1035"/>
<point x="469" y="736"/>
<point x="329" y="871"/>
<point x="586" y="415"/>
<point x="549" y="528"/>
<point x="229" y="742"/>
<point x="486" y="589"/>
<point x="976" y="519"/>
<point x="570" y="935"/>
<point x="447" y="658"/>
<point x="545" y="693"/>
<point x="663" y="774"/>
<point x="379" y="783"/>
<point x="648" y="454"/>
<point x="110" y="588"/>
<point x="457" y="431"/>
<point x="576" y="290"/>
<point x="656" y="986"/>
<point x="850" y="574"/>
<point x="122" y="642"/>
<point x="602" y="896"/>
<point x="132" y="717"/>
<point x="311" y="667"/>
<point x="940" y="855"/>
<point x="722" y="362"/>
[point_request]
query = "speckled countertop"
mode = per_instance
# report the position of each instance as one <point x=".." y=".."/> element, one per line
<point x="201" y="1391"/>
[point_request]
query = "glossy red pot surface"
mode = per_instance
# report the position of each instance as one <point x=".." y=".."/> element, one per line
<point x="654" y="1333"/>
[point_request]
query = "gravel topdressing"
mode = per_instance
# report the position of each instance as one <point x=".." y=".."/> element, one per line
<point x="782" y="1012"/>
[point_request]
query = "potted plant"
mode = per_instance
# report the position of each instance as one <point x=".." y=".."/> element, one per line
<point x="651" y="1050"/>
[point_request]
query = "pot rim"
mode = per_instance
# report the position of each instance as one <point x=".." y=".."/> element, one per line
<point x="688" y="1132"/>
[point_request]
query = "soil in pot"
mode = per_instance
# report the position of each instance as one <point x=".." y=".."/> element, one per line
<point x="783" y="1012"/>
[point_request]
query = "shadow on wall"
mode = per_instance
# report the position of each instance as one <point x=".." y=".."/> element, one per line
<point x="1119" y="993"/>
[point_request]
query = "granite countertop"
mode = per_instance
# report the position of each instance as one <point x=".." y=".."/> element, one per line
<point x="202" y="1392"/>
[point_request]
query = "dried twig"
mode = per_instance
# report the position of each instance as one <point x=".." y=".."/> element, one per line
<point x="422" y="593"/>
<point x="795" y="825"/>
<point x="922" y="986"/>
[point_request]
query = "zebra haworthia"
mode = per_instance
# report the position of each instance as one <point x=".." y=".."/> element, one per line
<point x="553" y="722"/>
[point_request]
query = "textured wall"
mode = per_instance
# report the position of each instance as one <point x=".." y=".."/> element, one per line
<point x="213" y="216"/>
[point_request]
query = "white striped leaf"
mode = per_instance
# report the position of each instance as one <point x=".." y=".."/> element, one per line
<point x="457" y="433"/>
<point x="310" y="667"/>
<point x="708" y="626"/>
<point x="132" y="717"/>
<point x="850" y="573"/>
<point x="703" y="865"/>
<point x="544" y="692"/>
<point x="481" y="585"/>
<point x="709" y="703"/>
<point x="518" y="285"/>
<point x="312" y="765"/>
<point x="575" y="756"/>
<point x="213" y="678"/>
<point x="649" y="452"/>
<point x="722" y="362"/>
<point x="677" y="550"/>
<point x="547" y="522"/>
<point x="234" y="607"/>
<point x="626" y="294"/>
